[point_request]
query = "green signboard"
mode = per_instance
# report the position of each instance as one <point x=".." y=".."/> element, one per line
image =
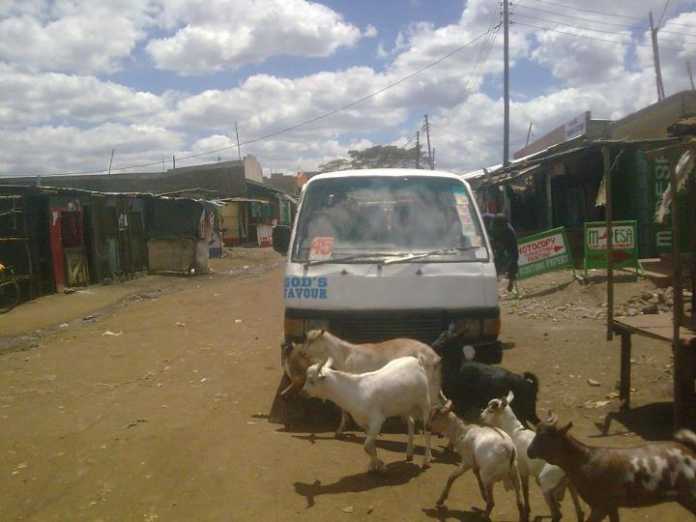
<point x="544" y="252"/>
<point x="624" y="244"/>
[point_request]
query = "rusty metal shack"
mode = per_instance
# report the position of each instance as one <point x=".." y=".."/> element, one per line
<point x="56" y="237"/>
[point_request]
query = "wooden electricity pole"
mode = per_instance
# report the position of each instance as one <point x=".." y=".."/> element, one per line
<point x="239" y="148"/>
<point x="418" y="152"/>
<point x="427" y="135"/>
<point x="656" y="59"/>
<point x="691" y="75"/>
<point x="111" y="160"/>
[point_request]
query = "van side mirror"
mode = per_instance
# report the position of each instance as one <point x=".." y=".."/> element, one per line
<point x="281" y="239"/>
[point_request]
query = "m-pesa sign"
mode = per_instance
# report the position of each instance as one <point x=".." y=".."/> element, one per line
<point x="543" y="252"/>
<point x="624" y="244"/>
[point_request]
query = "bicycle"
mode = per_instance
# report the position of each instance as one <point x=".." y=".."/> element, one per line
<point x="9" y="289"/>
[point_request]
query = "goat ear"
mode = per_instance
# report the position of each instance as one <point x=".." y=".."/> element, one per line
<point x="551" y="419"/>
<point x="510" y="397"/>
<point x="447" y="407"/>
<point x="313" y="335"/>
<point x="565" y="428"/>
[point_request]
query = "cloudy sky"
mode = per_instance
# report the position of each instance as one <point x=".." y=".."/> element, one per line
<point x="156" y="78"/>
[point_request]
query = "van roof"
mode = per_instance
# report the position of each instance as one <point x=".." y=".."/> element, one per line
<point x="394" y="172"/>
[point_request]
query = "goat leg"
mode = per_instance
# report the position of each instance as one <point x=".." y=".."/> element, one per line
<point x="552" y="502"/>
<point x="614" y="515"/>
<point x="490" y="503"/>
<point x="576" y="501"/>
<point x="454" y="476"/>
<point x="370" y="446"/>
<point x="411" y="430"/>
<point x="524" y="480"/>
<point x="427" y="456"/>
<point x="342" y="424"/>
<point x="522" y="507"/>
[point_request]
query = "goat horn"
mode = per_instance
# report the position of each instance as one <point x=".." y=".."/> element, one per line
<point x="552" y="418"/>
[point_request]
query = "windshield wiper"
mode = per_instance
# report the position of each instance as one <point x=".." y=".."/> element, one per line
<point x="423" y="255"/>
<point x="356" y="257"/>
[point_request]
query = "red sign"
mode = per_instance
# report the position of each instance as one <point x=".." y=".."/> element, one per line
<point x="322" y="248"/>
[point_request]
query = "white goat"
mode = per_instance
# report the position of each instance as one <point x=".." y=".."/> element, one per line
<point x="399" y="389"/>
<point x="551" y="479"/>
<point x="489" y="452"/>
<point x="321" y="345"/>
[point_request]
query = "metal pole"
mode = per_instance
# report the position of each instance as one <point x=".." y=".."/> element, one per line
<point x="427" y="135"/>
<point x="677" y="306"/>
<point x="529" y="133"/>
<point x="111" y="160"/>
<point x="506" y="84"/>
<point x="173" y="162"/>
<point x="239" y="148"/>
<point x="691" y="75"/>
<point x="656" y="59"/>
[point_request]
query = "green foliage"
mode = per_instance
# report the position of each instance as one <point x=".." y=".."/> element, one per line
<point x="378" y="156"/>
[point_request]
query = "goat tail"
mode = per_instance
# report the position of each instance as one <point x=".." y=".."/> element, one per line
<point x="686" y="437"/>
<point x="529" y="376"/>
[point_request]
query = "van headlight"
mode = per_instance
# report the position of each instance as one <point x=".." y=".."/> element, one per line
<point x="467" y="328"/>
<point x="491" y="327"/>
<point x="297" y="328"/>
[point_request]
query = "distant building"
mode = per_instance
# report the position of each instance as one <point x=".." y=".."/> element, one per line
<point x="557" y="180"/>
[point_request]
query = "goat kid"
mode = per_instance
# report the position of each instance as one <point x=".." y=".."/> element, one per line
<point x="610" y="478"/>
<point x="398" y="389"/>
<point x="489" y="452"/>
<point x="551" y="479"/>
<point x="321" y="345"/>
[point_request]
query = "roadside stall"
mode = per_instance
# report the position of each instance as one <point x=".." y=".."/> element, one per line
<point x="679" y="330"/>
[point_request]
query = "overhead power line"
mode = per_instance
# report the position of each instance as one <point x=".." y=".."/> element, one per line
<point x="597" y="21"/>
<point x="604" y="13"/>
<point x="580" y="35"/>
<point x="303" y="123"/>
<point x="584" y="36"/>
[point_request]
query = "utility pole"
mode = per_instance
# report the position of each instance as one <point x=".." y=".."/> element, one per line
<point x="529" y="134"/>
<point x="691" y="75"/>
<point x="111" y="160"/>
<point x="656" y="59"/>
<point x="418" y="154"/>
<point x="173" y="162"/>
<point x="239" y="149"/>
<point x="433" y="158"/>
<point x="430" y="151"/>
<point x="506" y="83"/>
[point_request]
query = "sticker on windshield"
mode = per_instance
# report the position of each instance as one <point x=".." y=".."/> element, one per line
<point x="321" y="248"/>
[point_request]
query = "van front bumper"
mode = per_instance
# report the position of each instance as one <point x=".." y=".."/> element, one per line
<point x="477" y="326"/>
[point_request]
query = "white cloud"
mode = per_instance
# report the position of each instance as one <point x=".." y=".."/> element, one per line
<point x="94" y="41"/>
<point x="227" y="34"/>
<point x="57" y="148"/>
<point x="29" y="99"/>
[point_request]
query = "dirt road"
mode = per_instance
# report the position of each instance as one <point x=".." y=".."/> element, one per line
<point x="164" y="418"/>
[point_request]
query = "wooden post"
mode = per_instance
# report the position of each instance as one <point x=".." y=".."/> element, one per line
<point x="625" y="382"/>
<point x="549" y="201"/>
<point x="606" y="159"/>
<point x="678" y="300"/>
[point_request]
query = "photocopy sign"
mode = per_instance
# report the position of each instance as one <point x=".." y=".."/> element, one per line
<point x="543" y="252"/>
<point x="624" y="244"/>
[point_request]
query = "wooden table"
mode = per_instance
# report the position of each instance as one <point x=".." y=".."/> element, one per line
<point x="658" y="327"/>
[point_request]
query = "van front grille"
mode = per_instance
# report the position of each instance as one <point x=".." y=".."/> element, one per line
<point x="361" y="329"/>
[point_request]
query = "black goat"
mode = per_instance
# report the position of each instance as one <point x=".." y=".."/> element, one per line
<point x="470" y="385"/>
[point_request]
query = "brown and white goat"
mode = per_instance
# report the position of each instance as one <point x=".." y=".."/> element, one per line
<point x="321" y="345"/>
<point x="610" y="478"/>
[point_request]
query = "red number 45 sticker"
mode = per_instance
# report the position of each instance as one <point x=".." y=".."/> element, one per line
<point x="322" y="248"/>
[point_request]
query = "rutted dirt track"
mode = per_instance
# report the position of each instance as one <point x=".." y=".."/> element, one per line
<point x="165" y="420"/>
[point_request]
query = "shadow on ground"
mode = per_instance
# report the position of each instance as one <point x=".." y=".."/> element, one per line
<point x="395" y="474"/>
<point x="652" y="422"/>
